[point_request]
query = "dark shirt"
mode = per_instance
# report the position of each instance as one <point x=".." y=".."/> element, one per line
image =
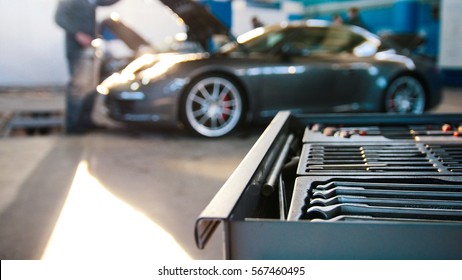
<point x="79" y="15"/>
<point x="358" y="22"/>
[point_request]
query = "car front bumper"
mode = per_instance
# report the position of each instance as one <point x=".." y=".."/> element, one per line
<point x="157" y="102"/>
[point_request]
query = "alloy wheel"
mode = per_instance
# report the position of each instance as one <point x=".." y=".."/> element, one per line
<point x="405" y="95"/>
<point x="213" y="106"/>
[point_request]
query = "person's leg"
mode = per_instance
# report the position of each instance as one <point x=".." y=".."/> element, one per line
<point x="80" y="93"/>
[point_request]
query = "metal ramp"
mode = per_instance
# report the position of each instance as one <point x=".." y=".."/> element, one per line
<point x="31" y="123"/>
<point x="31" y="111"/>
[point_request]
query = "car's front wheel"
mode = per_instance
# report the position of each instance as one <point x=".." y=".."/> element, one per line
<point x="213" y="106"/>
<point x="405" y="95"/>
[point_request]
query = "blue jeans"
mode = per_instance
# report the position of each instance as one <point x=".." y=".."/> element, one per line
<point x="80" y="92"/>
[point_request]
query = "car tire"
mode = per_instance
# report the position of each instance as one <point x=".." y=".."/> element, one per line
<point x="212" y="106"/>
<point x="405" y="94"/>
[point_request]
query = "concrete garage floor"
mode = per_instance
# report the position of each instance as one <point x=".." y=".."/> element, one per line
<point x="117" y="193"/>
<point x="161" y="179"/>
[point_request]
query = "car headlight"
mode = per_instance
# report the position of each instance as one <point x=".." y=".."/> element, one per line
<point x="114" y="80"/>
<point x="102" y="90"/>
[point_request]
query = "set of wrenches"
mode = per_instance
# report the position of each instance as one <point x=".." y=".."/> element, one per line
<point x="367" y="158"/>
<point x="349" y="200"/>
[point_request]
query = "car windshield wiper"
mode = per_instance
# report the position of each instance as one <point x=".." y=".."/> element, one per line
<point x="232" y="45"/>
<point x="240" y="46"/>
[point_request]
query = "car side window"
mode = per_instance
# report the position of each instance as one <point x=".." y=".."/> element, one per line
<point x="341" y="40"/>
<point x="321" y="40"/>
<point x="304" y="42"/>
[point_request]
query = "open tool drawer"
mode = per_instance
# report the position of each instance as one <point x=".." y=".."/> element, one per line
<point x="343" y="187"/>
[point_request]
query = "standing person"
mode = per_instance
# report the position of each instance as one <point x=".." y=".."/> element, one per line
<point x="78" y="19"/>
<point x="256" y="22"/>
<point x="337" y="19"/>
<point x="354" y="18"/>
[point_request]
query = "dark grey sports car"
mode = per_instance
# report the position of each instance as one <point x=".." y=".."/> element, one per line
<point x="304" y="67"/>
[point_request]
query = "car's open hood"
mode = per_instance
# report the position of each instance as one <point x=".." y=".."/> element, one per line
<point x="131" y="38"/>
<point x="200" y="22"/>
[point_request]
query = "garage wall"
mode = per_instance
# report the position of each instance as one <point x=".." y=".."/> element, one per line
<point x="387" y="16"/>
<point x="31" y="45"/>
<point x="243" y="13"/>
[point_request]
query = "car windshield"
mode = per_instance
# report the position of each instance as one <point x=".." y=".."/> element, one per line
<point x="265" y="42"/>
<point x="259" y="40"/>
